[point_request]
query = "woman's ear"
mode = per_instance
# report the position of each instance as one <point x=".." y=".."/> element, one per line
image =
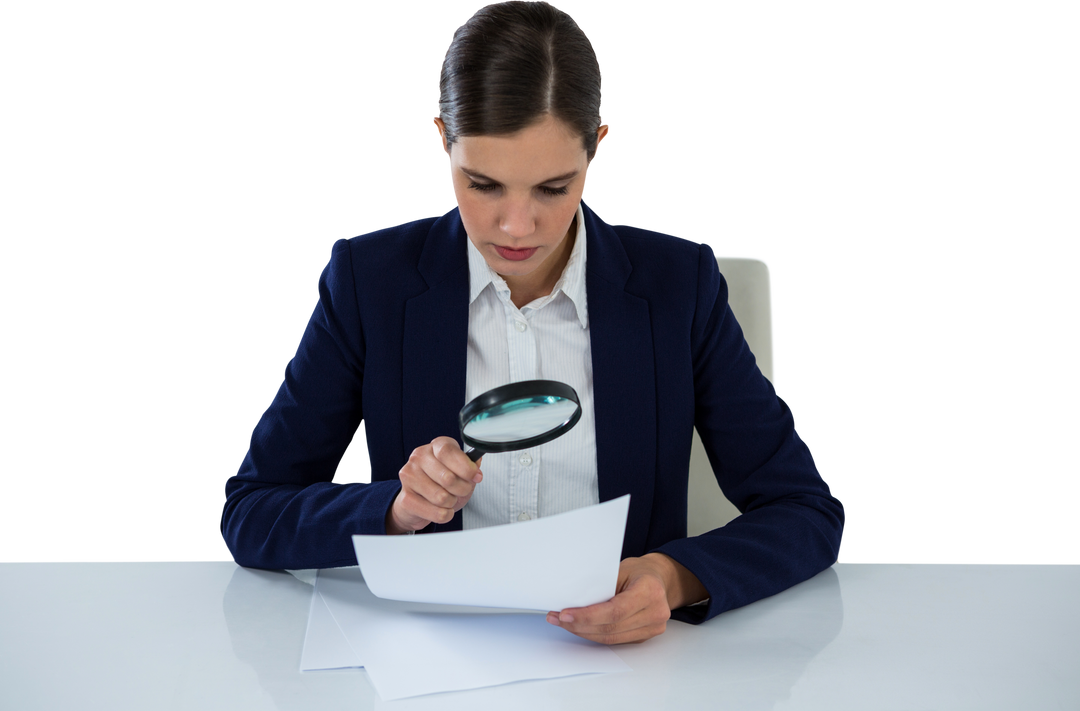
<point x="441" y="132"/>
<point x="602" y="134"/>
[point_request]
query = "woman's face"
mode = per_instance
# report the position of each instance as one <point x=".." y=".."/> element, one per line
<point x="518" y="194"/>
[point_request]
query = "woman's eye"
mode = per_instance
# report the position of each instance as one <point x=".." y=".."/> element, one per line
<point x="487" y="187"/>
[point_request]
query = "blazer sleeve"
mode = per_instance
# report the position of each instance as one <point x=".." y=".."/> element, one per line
<point x="790" y="525"/>
<point x="282" y="509"/>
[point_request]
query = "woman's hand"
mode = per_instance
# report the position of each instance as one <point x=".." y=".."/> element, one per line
<point x="649" y="588"/>
<point x="436" y="482"/>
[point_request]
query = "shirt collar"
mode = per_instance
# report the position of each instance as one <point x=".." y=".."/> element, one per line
<point x="571" y="283"/>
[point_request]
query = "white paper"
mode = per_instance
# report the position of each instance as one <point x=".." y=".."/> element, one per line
<point x="325" y="647"/>
<point x="551" y="563"/>
<point x="410" y="649"/>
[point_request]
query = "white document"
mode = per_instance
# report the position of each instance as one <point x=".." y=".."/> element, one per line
<point x="411" y="649"/>
<point x="325" y="647"/>
<point x="551" y="563"/>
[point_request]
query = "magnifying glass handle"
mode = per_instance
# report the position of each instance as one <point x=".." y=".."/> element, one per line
<point x="475" y="454"/>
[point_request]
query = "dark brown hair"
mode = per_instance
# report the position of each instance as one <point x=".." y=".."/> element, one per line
<point x="513" y="63"/>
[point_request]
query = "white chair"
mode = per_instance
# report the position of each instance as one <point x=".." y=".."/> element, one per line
<point x="748" y="295"/>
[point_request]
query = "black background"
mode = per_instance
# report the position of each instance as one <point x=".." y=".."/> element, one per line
<point x="207" y="170"/>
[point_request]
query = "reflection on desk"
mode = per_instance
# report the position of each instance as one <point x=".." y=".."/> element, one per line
<point x="212" y="635"/>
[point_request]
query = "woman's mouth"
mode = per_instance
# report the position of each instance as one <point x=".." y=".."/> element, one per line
<point x="515" y="255"/>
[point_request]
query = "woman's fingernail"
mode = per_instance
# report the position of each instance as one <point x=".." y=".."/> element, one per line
<point x="552" y="618"/>
<point x="566" y="617"/>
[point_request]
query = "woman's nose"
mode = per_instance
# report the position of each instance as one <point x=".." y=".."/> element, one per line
<point x="517" y="219"/>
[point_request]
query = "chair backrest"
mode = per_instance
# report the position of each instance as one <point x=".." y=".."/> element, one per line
<point x="752" y="294"/>
<point x="748" y="296"/>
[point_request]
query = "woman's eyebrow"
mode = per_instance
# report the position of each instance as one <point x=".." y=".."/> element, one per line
<point x="477" y="175"/>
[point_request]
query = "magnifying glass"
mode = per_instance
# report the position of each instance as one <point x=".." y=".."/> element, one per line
<point x="518" y="416"/>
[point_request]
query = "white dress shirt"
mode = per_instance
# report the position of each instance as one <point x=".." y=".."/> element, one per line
<point x="545" y="339"/>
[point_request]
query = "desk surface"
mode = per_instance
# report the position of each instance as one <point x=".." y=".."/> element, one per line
<point x="215" y="636"/>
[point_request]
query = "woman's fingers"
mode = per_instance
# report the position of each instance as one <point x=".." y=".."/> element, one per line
<point x="437" y="481"/>
<point x="454" y="471"/>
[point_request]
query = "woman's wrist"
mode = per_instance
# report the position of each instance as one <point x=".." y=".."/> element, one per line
<point x="393" y="528"/>
<point x="680" y="585"/>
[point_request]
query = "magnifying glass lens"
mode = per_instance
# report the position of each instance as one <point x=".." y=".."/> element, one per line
<point x="521" y="419"/>
<point x="518" y="416"/>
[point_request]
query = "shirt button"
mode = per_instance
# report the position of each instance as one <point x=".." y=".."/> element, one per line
<point x="520" y="326"/>
<point x="523" y="516"/>
<point x="525" y="459"/>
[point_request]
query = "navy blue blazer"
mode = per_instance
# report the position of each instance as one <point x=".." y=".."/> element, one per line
<point x="387" y="344"/>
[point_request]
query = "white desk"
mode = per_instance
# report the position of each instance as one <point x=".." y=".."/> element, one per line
<point x="214" y="636"/>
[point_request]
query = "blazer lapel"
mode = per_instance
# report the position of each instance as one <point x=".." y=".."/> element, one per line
<point x="624" y="384"/>
<point x="435" y="345"/>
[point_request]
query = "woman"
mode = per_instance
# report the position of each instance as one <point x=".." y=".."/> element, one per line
<point x="523" y="281"/>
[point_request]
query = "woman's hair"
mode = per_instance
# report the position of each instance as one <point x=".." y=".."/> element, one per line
<point x="513" y="63"/>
